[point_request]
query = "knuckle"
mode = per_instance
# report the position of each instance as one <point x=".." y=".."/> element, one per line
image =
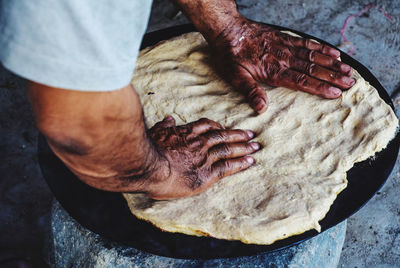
<point x="311" y="44"/>
<point x="325" y="48"/>
<point x="243" y="164"/>
<point x="216" y="124"/>
<point x="302" y="53"/>
<point x="227" y="166"/>
<point x="224" y="150"/>
<point x="215" y="136"/>
<point x="291" y="52"/>
<point x="184" y="129"/>
<point x="301" y="65"/>
<point x="254" y="91"/>
<point x="249" y="147"/>
<point x="301" y="79"/>
<point x="321" y="87"/>
<point x="287" y="55"/>
<point x="276" y="35"/>
<point x="193" y="180"/>
<point x="266" y="44"/>
<point x="159" y="134"/>
<point x="221" y="172"/>
<point x="273" y="67"/>
<point x="311" y="68"/>
<point x="311" y="55"/>
<point x="293" y="40"/>
<point x="336" y="64"/>
<point x="285" y="74"/>
<point x="196" y="142"/>
<point x="280" y="53"/>
<point x="284" y="37"/>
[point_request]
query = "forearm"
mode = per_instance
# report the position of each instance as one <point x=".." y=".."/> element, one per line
<point x="101" y="137"/>
<point x="211" y="17"/>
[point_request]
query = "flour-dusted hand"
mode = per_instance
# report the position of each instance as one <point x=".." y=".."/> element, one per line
<point x="196" y="155"/>
<point x="248" y="53"/>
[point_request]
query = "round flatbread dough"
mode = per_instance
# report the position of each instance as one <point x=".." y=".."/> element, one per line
<point x="308" y="145"/>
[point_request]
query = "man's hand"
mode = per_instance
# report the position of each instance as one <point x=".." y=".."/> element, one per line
<point x="101" y="137"/>
<point x="250" y="52"/>
<point x="196" y="155"/>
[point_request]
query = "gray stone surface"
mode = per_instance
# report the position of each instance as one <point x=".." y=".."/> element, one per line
<point x="75" y="246"/>
<point x="373" y="234"/>
<point x="25" y="199"/>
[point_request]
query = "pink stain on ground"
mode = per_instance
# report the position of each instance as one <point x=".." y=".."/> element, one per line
<point x="346" y="22"/>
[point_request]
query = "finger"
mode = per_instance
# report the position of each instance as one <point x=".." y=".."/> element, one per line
<point x="231" y="150"/>
<point x="168" y="121"/>
<point x="309" y="44"/>
<point x="323" y="60"/>
<point x="193" y="129"/>
<point x="203" y="125"/>
<point x="215" y="137"/>
<point x="314" y="70"/>
<point x="225" y="168"/>
<point x="245" y="83"/>
<point x="300" y="81"/>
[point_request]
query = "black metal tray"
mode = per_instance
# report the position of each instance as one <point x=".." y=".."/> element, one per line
<point x="107" y="213"/>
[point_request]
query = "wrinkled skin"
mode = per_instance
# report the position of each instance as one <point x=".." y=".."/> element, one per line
<point x="198" y="154"/>
<point x="249" y="53"/>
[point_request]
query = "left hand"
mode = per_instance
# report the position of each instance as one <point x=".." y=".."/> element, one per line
<point x="249" y="53"/>
<point x="196" y="155"/>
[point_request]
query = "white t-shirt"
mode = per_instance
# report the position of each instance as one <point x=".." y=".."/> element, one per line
<point x="88" y="45"/>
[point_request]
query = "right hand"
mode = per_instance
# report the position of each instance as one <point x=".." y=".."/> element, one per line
<point x="249" y="53"/>
<point x="196" y="155"/>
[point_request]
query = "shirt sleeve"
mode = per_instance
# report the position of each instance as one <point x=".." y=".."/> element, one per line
<point x="87" y="45"/>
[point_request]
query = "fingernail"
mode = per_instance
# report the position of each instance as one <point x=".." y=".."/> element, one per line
<point x="258" y="103"/>
<point x="249" y="159"/>
<point x="336" y="53"/>
<point x="255" y="145"/>
<point x="345" y="68"/>
<point x="350" y="72"/>
<point x="348" y="80"/>
<point x="336" y="91"/>
<point x="250" y="134"/>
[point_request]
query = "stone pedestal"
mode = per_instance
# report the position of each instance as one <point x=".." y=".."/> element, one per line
<point x="74" y="246"/>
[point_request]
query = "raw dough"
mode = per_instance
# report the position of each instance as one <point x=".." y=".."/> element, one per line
<point x="309" y="144"/>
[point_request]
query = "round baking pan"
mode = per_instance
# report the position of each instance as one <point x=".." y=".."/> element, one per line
<point x="107" y="213"/>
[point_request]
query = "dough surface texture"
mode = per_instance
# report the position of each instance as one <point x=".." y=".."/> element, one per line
<point x="308" y="145"/>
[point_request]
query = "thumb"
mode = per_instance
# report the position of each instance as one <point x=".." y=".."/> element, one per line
<point x="168" y="121"/>
<point x="243" y="81"/>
